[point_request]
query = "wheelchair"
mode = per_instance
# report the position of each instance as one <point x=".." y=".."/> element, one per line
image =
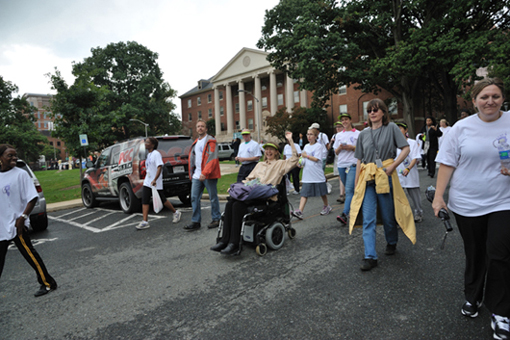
<point x="266" y="223"/>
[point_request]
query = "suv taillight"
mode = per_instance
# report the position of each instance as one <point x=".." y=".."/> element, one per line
<point x="143" y="170"/>
<point x="38" y="188"/>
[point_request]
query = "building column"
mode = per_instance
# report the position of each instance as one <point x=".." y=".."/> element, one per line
<point x="303" y="98"/>
<point x="217" y="117"/>
<point x="230" y="111"/>
<point x="273" y="97"/>
<point x="258" y="109"/>
<point x="242" y="105"/>
<point x="289" y="94"/>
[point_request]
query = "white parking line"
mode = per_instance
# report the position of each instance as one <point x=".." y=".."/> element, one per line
<point x="72" y="212"/>
<point x="115" y="225"/>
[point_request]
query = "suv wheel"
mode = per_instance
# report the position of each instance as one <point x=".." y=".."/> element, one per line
<point x="39" y="222"/>
<point x="87" y="196"/>
<point x="128" y="201"/>
<point x="185" y="199"/>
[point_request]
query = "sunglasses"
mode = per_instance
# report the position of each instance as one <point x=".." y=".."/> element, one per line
<point x="373" y="110"/>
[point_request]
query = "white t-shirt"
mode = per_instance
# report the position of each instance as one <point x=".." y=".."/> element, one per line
<point x="413" y="177"/>
<point x="477" y="186"/>
<point x="420" y="143"/>
<point x="249" y="150"/>
<point x="323" y="139"/>
<point x="287" y="150"/>
<point x="312" y="171"/>
<point x="16" y="190"/>
<point x="345" y="157"/>
<point x="199" y="151"/>
<point x="153" y="161"/>
<point x="445" y="131"/>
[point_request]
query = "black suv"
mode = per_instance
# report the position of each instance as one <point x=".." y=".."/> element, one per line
<point x="119" y="172"/>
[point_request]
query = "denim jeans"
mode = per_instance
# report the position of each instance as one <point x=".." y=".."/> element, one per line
<point x="348" y="181"/>
<point x="197" y="189"/>
<point x="369" y="209"/>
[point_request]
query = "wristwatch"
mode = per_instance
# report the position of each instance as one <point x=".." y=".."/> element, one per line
<point x="24" y="216"/>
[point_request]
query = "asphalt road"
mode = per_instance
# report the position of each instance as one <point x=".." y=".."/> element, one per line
<point x="164" y="283"/>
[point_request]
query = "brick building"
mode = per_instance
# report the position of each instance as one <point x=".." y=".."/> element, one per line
<point x="232" y="97"/>
<point x="44" y="122"/>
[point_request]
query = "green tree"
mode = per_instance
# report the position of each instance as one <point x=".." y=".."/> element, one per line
<point x="17" y="126"/>
<point x="211" y="127"/>
<point x="400" y="46"/>
<point x="297" y="122"/>
<point x="117" y="83"/>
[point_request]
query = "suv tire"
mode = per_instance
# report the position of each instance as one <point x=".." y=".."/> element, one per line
<point x="127" y="199"/>
<point x="87" y="196"/>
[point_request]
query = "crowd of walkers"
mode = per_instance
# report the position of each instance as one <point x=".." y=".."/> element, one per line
<point x="378" y="177"/>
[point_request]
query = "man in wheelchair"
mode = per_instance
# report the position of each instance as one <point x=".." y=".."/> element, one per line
<point x="270" y="171"/>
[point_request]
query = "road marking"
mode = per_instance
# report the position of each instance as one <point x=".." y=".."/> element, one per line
<point x="35" y="242"/>
<point x="72" y="212"/>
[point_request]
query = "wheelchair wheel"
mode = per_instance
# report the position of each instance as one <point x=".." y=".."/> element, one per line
<point x="292" y="233"/>
<point x="261" y="249"/>
<point x="275" y="235"/>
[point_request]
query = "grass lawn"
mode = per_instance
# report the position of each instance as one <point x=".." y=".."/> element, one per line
<point x="60" y="186"/>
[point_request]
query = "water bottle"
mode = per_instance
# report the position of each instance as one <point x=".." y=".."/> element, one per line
<point x="504" y="153"/>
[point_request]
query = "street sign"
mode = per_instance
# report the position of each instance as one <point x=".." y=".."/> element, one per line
<point x="84" y="141"/>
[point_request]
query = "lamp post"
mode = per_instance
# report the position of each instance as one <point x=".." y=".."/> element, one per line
<point x="139" y="121"/>
<point x="258" y="113"/>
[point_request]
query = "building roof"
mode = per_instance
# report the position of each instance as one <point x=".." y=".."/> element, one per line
<point x="202" y="86"/>
<point x="37" y="95"/>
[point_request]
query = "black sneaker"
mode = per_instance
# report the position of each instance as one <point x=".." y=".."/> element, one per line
<point x="192" y="227"/>
<point x="342" y="219"/>
<point x="43" y="290"/>
<point x="390" y="249"/>
<point x="368" y="264"/>
<point x="470" y="310"/>
<point x="500" y="326"/>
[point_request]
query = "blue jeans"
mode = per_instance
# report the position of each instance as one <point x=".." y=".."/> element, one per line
<point x="197" y="189"/>
<point x="348" y="181"/>
<point x="369" y="209"/>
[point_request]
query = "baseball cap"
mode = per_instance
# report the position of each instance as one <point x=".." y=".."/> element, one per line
<point x="315" y="126"/>
<point x="271" y="145"/>
<point x="344" y="115"/>
<point x="246" y="132"/>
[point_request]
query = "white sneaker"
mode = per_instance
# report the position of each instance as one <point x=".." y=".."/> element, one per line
<point x="500" y="326"/>
<point x="295" y="192"/>
<point x="177" y="216"/>
<point x="326" y="210"/>
<point x="143" y="225"/>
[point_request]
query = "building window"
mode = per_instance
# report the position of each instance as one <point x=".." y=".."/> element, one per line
<point x="51" y="143"/>
<point x="209" y="98"/>
<point x="237" y="125"/>
<point x="250" y="123"/>
<point x="190" y="132"/>
<point x="280" y="99"/>
<point x="199" y="101"/>
<point x="264" y="101"/>
<point x="342" y="109"/>
<point x="222" y="111"/>
<point x="189" y="102"/>
<point x="237" y="107"/>
<point x="199" y="114"/>
<point x="190" y="117"/>
<point x="45" y="125"/>
<point x="264" y="87"/>
<point x="296" y="96"/>
<point x="221" y="95"/>
<point x="393" y="107"/>
<point x="342" y="89"/>
<point x="250" y="105"/>
<point x="223" y="126"/>
<point x="58" y="143"/>
<point x="209" y="113"/>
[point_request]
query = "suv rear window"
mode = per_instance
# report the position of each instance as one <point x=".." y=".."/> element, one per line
<point x="174" y="147"/>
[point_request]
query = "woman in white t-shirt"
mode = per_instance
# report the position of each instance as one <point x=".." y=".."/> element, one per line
<point x="479" y="198"/>
<point x="408" y="174"/>
<point x="154" y="178"/>
<point x="345" y="144"/>
<point x="313" y="179"/>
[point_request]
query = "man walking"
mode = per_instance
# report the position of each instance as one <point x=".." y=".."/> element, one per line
<point x="204" y="171"/>
<point x="249" y="155"/>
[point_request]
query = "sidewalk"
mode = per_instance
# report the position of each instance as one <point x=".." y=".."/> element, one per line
<point x="225" y="170"/>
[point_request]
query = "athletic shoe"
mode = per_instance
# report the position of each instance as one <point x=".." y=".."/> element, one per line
<point x="297" y="213"/>
<point x="418" y="219"/>
<point x="500" y="326"/>
<point x="390" y="249"/>
<point x="342" y="219"/>
<point x="143" y="225"/>
<point x="368" y="264"/>
<point x="326" y="210"/>
<point x="470" y="310"/>
<point x="177" y="216"/>
<point x="295" y="192"/>
<point x="43" y="290"/>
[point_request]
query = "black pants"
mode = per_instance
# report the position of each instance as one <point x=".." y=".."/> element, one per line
<point x="245" y="170"/>
<point x="487" y="248"/>
<point x="431" y="161"/>
<point x="294" y="174"/>
<point x="233" y="220"/>
<point x="25" y="247"/>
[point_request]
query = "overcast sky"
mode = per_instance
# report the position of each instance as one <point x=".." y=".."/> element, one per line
<point x="194" y="38"/>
